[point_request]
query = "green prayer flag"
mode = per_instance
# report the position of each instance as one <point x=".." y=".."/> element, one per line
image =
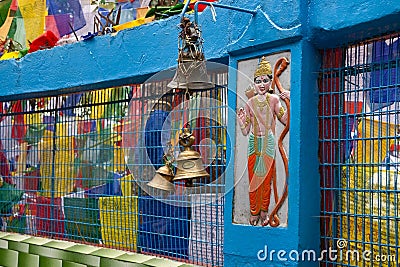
<point x="4" y="7"/>
<point x="9" y="196"/>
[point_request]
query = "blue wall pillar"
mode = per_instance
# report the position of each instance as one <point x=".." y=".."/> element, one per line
<point x="244" y="244"/>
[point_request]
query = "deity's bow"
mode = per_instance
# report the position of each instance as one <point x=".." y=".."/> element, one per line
<point x="280" y="65"/>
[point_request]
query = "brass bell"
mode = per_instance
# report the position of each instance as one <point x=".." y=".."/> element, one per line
<point x="163" y="179"/>
<point x="189" y="163"/>
<point x="191" y="74"/>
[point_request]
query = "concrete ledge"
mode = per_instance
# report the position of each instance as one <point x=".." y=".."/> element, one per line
<point x="23" y="250"/>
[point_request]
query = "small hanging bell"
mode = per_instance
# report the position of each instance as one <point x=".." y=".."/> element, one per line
<point x="163" y="179"/>
<point x="164" y="175"/>
<point x="189" y="163"/>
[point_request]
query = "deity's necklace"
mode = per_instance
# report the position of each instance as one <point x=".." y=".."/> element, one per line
<point x="262" y="104"/>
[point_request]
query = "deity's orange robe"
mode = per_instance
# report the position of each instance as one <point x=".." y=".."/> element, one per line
<point x="261" y="170"/>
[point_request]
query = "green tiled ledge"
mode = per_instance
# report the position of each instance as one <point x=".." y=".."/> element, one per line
<point x="18" y="250"/>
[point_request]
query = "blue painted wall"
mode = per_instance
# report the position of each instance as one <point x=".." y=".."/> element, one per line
<point x="300" y="26"/>
<point x="334" y="22"/>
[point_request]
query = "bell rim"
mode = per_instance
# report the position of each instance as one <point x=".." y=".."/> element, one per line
<point x="187" y="176"/>
<point x="166" y="187"/>
<point x="180" y="81"/>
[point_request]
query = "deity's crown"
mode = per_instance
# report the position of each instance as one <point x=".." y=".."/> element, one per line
<point x="264" y="68"/>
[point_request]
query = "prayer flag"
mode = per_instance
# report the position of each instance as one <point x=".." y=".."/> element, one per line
<point x="19" y="128"/>
<point x="385" y="77"/>
<point x="70" y="103"/>
<point x="4" y="8"/>
<point x="73" y="9"/>
<point x="33" y="12"/>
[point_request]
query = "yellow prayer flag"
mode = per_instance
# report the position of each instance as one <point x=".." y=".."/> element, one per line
<point x="10" y="55"/>
<point x="33" y="12"/>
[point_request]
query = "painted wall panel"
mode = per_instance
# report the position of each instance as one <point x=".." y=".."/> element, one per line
<point x="245" y="240"/>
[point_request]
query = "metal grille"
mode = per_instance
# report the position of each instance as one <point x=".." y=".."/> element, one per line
<point x="75" y="167"/>
<point x="359" y="150"/>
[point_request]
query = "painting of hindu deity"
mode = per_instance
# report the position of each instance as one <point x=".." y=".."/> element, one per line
<point x="262" y="138"/>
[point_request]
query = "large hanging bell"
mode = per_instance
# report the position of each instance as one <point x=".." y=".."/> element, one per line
<point x="189" y="163"/>
<point x="191" y="74"/>
<point x="163" y="179"/>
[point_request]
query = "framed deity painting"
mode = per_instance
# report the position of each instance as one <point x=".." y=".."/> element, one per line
<point x="262" y="141"/>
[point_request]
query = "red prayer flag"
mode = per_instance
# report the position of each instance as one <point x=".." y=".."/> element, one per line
<point x="19" y="128"/>
<point x="44" y="41"/>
